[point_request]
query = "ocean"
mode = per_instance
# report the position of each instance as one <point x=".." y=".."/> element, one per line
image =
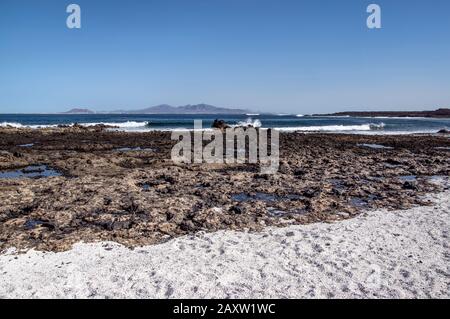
<point x="286" y="123"/>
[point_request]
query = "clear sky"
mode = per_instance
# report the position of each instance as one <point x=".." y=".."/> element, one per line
<point x="267" y="55"/>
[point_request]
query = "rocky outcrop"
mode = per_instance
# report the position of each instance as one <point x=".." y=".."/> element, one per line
<point x="220" y="124"/>
<point x="439" y="113"/>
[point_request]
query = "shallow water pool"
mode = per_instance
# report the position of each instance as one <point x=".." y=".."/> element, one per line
<point x="32" y="171"/>
<point x="376" y="146"/>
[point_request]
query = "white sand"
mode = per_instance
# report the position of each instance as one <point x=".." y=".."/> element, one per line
<point x="402" y="254"/>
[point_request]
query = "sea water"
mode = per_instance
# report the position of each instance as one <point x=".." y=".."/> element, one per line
<point x="287" y="123"/>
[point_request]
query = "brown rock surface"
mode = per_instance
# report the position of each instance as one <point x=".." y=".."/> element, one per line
<point x="140" y="197"/>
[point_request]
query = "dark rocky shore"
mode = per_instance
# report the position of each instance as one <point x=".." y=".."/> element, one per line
<point x="439" y="113"/>
<point x="90" y="184"/>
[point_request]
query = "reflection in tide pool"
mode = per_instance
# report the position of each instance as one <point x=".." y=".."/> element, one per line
<point x="33" y="171"/>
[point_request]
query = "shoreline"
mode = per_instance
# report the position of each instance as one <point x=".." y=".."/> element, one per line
<point x="283" y="123"/>
<point x="109" y="127"/>
<point x="439" y="113"/>
<point x="379" y="254"/>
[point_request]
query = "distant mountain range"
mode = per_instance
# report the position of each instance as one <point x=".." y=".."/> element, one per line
<point x="168" y="109"/>
<point x="439" y="113"/>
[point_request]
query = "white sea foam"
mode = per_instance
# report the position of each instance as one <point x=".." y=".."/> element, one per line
<point x="128" y="124"/>
<point x="144" y="126"/>
<point x="11" y="124"/>
<point x="333" y="128"/>
<point x="134" y="126"/>
<point x="18" y="125"/>
<point x="125" y="125"/>
<point x="249" y="122"/>
<point x="377" y="126"/>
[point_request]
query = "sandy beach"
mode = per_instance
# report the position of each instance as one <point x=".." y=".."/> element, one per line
<point x="379" y="254"/>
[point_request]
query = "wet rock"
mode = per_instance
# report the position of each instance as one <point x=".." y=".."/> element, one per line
<point x="444" y="131"/>
<point x="393" y="162"/>
<point x="236" y="210"/>
<point x="299" y="172"/>
<point x="174" y="216"/>
<point x="338" y="191"/>
<point x="169" y="179"/>
<point x="220" y="124"/>
<point x="121" y="225"/>
<point x="188" y="225"/>
<point x="290" y="234"/>
<point x="310" y="193"/>
<point x="410" y="185"/>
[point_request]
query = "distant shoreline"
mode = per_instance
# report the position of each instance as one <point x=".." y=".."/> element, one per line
<point x="440" y="113"/>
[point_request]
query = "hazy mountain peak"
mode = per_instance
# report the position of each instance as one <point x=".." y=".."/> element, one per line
<point x="79" y="111"/>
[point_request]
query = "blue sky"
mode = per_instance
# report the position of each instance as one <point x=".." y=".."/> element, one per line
<point x="268" y="55"/>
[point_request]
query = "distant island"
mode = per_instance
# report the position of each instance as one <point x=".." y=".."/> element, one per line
<point x="168" y="109"/>
<point x="439" y="113"/>
<point x="210" y="109"/>
<point x="79" y="111"/>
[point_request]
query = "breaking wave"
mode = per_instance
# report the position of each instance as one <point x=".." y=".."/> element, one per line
<point x="333" y="128"/>
<point x="249" y="122"/>
<point x="18" y="125"/>
<point x="11" y="124"/>
<point x="128" y="124"/>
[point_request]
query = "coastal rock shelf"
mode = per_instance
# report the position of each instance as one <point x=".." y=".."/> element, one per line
<point x="141" y="197"/>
